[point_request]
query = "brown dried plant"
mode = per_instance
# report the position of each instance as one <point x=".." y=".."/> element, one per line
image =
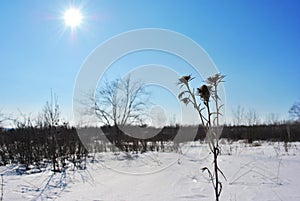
<point x="208" y="94"/>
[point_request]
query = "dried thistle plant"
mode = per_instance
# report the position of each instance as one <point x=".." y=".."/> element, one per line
<point x="210" y="120"/>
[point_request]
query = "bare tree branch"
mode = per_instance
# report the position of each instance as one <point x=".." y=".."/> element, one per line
<point x="295" y="110"/>
<point x="51" y="112"/>
<point x="119" y="102"/>
<point x="238" y="115"/>
<point x="4" y="117"/>
<point x="252" y="117"/>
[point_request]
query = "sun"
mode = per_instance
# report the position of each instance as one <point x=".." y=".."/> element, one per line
<point x="73" y="17"/>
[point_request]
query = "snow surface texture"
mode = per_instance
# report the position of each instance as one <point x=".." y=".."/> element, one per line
<point x="257" y="171"/>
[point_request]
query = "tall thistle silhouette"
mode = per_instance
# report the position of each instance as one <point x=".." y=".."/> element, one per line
<point x="209" y="120"/>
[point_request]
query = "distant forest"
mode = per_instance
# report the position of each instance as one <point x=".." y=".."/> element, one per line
<point x="61" y="145"/>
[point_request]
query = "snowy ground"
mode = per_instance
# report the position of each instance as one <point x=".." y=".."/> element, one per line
<point x="265" y="172"/>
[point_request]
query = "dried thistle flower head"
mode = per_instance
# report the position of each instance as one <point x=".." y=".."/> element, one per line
<point x="185" y="79"/>
<point x="215" y="79"/>
<point x="204" y="93"/>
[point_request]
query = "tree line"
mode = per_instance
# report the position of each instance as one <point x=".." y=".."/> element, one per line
<point x="60" y="145"/>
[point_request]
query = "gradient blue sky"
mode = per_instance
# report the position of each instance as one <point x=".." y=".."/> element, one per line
<point x="255" y="43"/>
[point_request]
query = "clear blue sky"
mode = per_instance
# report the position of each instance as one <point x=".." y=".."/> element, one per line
<point x="255" y="43"/>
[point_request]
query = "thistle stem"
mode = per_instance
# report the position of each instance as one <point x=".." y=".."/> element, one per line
<point x="194" y="101"/>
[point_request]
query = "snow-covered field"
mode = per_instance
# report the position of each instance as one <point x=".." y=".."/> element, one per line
<point x="253" y="172"/>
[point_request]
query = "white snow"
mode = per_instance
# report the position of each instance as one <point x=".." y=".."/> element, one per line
<point x="265" y="172"/>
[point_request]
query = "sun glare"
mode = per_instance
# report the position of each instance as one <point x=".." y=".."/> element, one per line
<point x="72" y="17"/>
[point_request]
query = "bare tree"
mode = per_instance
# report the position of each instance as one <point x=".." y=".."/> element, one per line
<point x="238" y="115"/>
<point x="120" y="102"/>
<point x="1" y="117"/>
<point x="295" y="110"/>
<point x="23" y="120"/>
<point x="272" y="119"/>
<point x="51" y="115"/>
<point x="4" y="117"/>
<point x="51" y="112"/>
<point x="252" y="117"/>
